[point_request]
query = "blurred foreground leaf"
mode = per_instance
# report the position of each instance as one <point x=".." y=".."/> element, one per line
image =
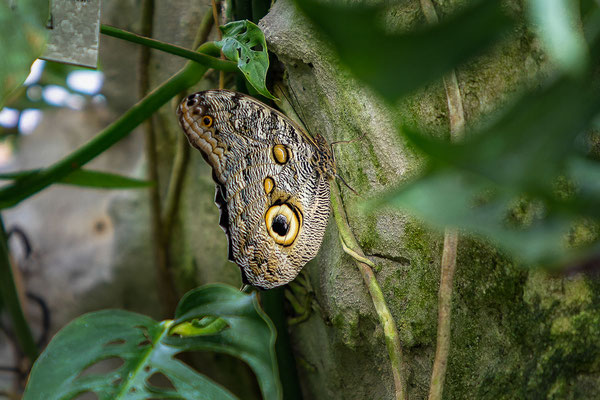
<point x="523" y="182"/>
<point x="146" y="347"/>
<point x="23" y="32"/>
<point x="559" y="28"/>
<point x="245" y="43"/>
<point x="87" y="178"/>
<point x="395" y="64"/>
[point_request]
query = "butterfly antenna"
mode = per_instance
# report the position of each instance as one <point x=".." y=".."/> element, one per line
<point x="245" y="288"/>
<point x="345" y="183"/>
<point x="300" y="112"/>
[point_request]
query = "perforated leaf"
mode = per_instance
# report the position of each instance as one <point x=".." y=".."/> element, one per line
<point x="147" y="347"/>
<point x="244" y="42"/>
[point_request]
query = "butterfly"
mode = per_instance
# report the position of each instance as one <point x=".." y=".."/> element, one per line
<point x="272" y="182"/>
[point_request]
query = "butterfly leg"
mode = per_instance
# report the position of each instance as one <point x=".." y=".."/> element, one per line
<point x="300" y="296"/>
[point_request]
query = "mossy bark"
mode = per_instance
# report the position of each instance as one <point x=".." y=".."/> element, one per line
<point x="517" y="332"/>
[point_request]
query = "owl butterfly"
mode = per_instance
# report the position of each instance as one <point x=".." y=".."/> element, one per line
<point x="272" y="182"/>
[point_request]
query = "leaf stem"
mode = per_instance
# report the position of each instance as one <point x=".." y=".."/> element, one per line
<point x="10" y="298"/>
<point x="201" y="58"/>
<point x="14" y="193"/>
<point x="449" y="253"/>
<point x="166" y="286"/>
<point x="215" y="13"/>
<point x="392" y="339"/>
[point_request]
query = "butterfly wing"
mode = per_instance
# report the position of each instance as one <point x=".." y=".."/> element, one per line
<point x="272" y="189"/>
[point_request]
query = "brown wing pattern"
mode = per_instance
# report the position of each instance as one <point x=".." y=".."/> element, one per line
<point x="272" y="182"/>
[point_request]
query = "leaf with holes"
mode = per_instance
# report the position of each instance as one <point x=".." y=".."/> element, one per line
<point x="146" y="350"/>
<point x="245" y="43"/>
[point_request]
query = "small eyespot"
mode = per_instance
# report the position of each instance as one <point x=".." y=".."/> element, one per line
<point x="206" y="121"/>
<point x="282" y="224"/>
<point x="281" y="154"/>
<point x="191" y="102"/>
<point x="269" y="184"/>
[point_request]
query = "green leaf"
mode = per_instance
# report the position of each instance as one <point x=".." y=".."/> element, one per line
<point x="560" y="30"/>
<point x="87" y="178"/>
<point x="395" y="64"/>
<point x="523" y="181"/>
<point x="23" y="34"/>
<point x="245" y="43"/>
<point x="526" y="148"/>
<point x="147" y="347"/>
<point x="452" y="198"/>
<point x="246" y="338"/>
<point x="106" y="180"/>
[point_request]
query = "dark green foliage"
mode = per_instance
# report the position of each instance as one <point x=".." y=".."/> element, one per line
<point x="395" y="64"/>
<point x="245" y="43"/>
<point x="147" y="347"/>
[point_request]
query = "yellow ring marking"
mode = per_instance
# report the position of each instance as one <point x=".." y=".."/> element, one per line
<point x="293" y="225"/>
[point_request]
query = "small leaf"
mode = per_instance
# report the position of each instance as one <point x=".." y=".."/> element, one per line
<point x="147" y="347"/>
<point x="245" y="43"/>
<point x="395" y="64"/>
<point x="87" y="178"/>
<point x="23" y="33"/>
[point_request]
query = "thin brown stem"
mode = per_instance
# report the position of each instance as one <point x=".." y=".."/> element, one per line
<point x="216" y="18"/>
<point x="351" y="247"/>
<point x="182" y="152"/>
<point x="392" y="339"/>
<point x="444" y="314"/>
<point x="448" y="265"/>
<point x="166" y="285"/>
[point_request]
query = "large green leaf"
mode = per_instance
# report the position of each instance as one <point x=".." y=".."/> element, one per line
<point x="23" y="33"/>
<point x="245" y="43"/>
<point x="397" y="63"/>
<point x="523" y="181"/>
<point x="147" y="347"/>
<point x="86" y="178"/>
